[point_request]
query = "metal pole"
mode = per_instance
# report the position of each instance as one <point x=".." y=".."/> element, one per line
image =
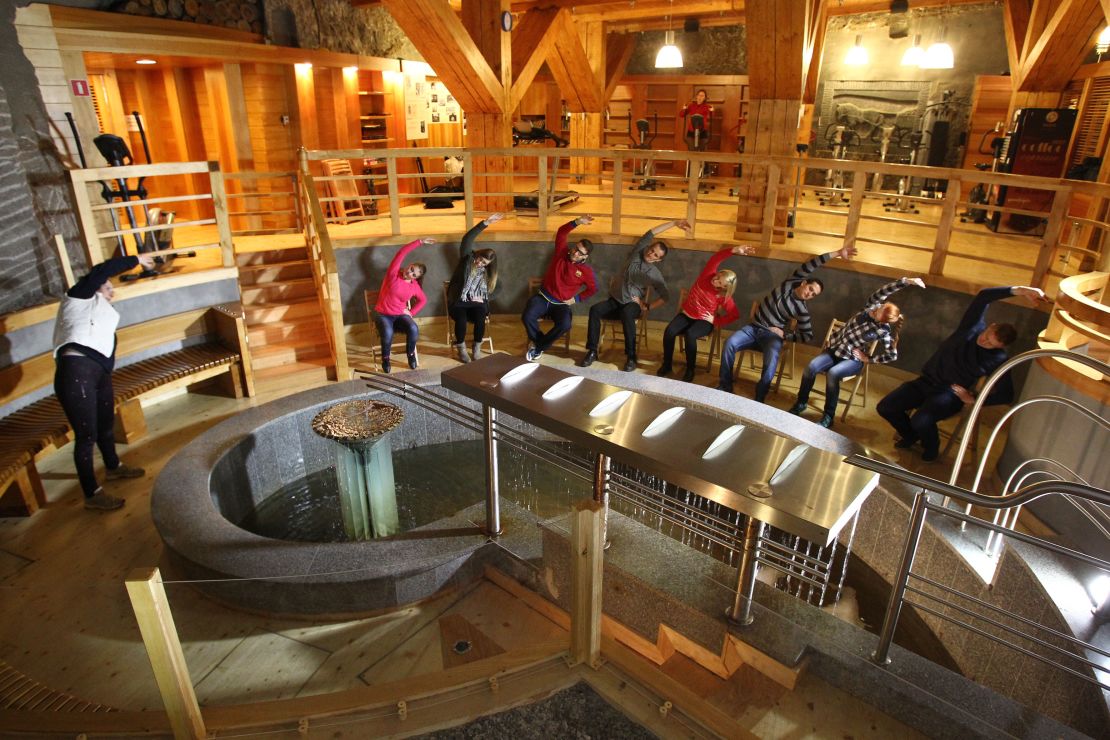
<point x="601" y="493"/>
<point x="493" y="501"/>
<point x="741" y="612"/>
<point x="894" y="606"/>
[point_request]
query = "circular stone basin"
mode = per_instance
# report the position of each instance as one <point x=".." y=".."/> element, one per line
<point x="219" y="478"/>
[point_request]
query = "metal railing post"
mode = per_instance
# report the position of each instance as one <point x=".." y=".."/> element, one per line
<point x="898" y="590"/>
<point x="493" y="500"/>
<point x="601" y="493"/>
<point x="741" y="611"/>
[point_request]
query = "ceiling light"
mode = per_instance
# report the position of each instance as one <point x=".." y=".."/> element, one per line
<point x="939" y="56"/>
<point x="857" y="55"/>
<point x="145" y="61"/>
<point x="669" y="56"/>
<point x="1102" y="43"/>
<point x="914" y="55"/>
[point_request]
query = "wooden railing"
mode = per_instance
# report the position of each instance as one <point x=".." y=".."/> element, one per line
<point x="905" y="218"/>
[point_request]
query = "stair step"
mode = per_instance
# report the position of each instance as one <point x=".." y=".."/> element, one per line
<point x="277" y="292"/>
<point x="275" y="272"/>
<point x="270" y="256"/>
<point x="310" y="368"/>
<point x="284" y="353"/>
<point x="277" y="331"/>
<point x="264" y="313"/>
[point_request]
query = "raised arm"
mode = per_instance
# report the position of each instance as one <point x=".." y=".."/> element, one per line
<point x="715" y="261"/>
<point x="562" y="235"/>
<point x="87" y="286"/>
<point x="395" y="263"/>
<point x="879" y="296"/>
<point x="648" y="238"/>
<point x="976" y="312"/>
<point x="466" y="246"/>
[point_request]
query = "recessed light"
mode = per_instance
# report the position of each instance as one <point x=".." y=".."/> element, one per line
<point x="145" y="61"/>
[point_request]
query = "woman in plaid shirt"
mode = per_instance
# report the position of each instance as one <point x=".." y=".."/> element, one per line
<point x="847" y="351"/>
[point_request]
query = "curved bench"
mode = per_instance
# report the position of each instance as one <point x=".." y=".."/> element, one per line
<point x="41" y="426"/>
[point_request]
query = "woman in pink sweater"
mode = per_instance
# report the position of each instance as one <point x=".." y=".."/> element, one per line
<point x="709" y="303"/>
<point x="400" y="299"/>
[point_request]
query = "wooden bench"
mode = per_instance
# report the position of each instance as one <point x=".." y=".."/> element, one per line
<point x="41" y="427"/>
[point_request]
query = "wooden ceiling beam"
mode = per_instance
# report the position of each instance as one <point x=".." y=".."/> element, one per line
<point x="533" y="39"/>
<point x="571" y="69"/>
<point x="815" y="48"/>
<point x="618" y="50"/>
<point x="440" y="37"/>
<point x="1039" y="13"/>
<point x="1015" y="24"/>
<point x="776" y="32"/>
<point x="1066" y="39"/>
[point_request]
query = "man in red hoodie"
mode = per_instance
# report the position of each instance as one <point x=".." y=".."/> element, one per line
<point x="568" y="280"/>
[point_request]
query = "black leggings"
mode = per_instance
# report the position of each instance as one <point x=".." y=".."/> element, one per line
<point x="473" y="312"/>
<point x="84" y="388"/>
<point x="692" y="330"/>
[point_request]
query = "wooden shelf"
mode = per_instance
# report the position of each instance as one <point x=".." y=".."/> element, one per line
<point x="371" y="116"/>
<point x="371" y="92"/>
<point x="377" y="141"/>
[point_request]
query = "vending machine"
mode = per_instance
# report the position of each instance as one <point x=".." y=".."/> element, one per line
<point x="1036" y="144"/>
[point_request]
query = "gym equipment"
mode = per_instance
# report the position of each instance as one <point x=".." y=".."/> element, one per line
<point x="885" y="134"/>
<point x="646" y="136"/>
<point x="697" y="143"/>
<point x="839" y="136"/>
<point x="901" y="203"/>
<point x="535" y="132"/>
<point x="157" y="241"/>
<point x="980" y="194"/>
<point x="447" y="192"/>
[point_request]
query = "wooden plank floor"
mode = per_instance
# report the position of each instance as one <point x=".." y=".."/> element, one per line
<point x="67" y="622"/>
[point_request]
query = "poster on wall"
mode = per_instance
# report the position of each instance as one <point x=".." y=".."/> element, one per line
<point x="444" y="107"/>
<point x="417" y="107"/>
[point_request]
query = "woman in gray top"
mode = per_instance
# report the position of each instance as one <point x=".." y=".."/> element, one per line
<point x="472" y="285"/>
<point x="630" y="291"/>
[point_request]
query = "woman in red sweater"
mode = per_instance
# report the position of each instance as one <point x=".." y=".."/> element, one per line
<point x="709" y="303"/>
<point x="400" y="299"/>
<point x="697" y="107"/>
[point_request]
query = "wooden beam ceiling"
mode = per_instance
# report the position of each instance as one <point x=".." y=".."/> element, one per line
<point x="1059" y="37"/>
<point x="533" y="39"/>
<point x="439" y="35"/>
<point x="572" y="71"/>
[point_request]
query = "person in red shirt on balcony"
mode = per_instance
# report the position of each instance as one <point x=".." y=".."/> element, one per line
<point x="697" y="107"/>
<point x="568" y="280"/>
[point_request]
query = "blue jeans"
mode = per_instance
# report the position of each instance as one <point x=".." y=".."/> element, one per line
<point x="749" y="336"/>
<point x="388" y="324"/>
<point x="934" y="402"/>
<point x="538" y="308"/>
<point x="835" y="371"/>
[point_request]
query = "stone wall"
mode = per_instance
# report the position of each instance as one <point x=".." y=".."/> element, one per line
<point x="710" y="51"/>
<point x="337" y="26"/>
<point x="33" y="184"/>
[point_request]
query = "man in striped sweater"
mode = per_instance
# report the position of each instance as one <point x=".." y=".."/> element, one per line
<point x="768" y="330"/>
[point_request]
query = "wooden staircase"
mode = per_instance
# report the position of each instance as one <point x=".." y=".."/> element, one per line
<point x="285" y="324"/>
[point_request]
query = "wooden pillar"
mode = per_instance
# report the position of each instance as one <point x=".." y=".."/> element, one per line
<point x="772" y="129"/>
<point x="482" y="20"/>
<point x="586" y="129"/>
<point x="587" y="545"/>
<point x="152" y="612"/>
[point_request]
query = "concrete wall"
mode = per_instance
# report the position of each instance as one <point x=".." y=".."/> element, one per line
<point x="931" y="314"/>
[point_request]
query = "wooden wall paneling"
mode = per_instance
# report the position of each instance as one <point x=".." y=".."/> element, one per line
<point x="185" y="112"/>
<point x="305" y="109"/>
<point x="84" y="112"/>
<point x="151" y="100"/>
<point x="36" y="35"/>
<point x="989" y="102"/>
<point x="586" y="130"/>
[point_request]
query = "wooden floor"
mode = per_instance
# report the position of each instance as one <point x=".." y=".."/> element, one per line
<point x="67" y="621"/>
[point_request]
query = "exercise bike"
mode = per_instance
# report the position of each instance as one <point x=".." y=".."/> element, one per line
<point x="840" y="138"/>
<point x="980" y="194"/>
<point x="643" y="142"/>
<point x="901" y="202"/>
<point x="697" y="143"/>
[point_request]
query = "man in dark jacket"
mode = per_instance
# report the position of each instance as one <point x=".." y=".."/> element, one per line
<point x="949" y="377"/>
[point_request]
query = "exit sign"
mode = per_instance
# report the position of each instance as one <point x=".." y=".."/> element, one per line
<point x="80" y="88"/>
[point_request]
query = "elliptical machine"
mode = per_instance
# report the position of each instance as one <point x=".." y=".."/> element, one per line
<point x="697" y="143"/>
<point x="901" y="202"/>
<point x="643" y="140"/>
<point x="839" y="136"/>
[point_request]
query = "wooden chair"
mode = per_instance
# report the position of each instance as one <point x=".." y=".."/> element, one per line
<point x="347" y="200"/>
<point x="371" y="297"/>
<point x="862" y="378"/>
<point x="751" y="352"/>
<point x="641" y="326"/>
<point x="714" y="338"/>
<point x="534" y="284"/>
<point x="451" y="322"/>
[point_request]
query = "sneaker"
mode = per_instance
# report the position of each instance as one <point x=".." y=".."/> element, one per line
<point x="630" y="365"/>
<point x="533" y="354"/>
<point x="386" y="365"/>
<point x="476" y="351"/>
<point x="412" y="362"/>
<point x="826" y="421"/>
<point x="905" y="443"/>
<point x="124" y="471"/>
<point x="930" y="455"/>
<point x="588" y="359"/>
<point x="461" y="353"/>
<point x="799" y="408"/>
<point x="664" y="371"/>
<point x="101" y="501"/>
